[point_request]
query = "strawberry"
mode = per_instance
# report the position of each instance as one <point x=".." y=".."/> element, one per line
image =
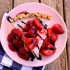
<point x="30" y="47"/>
<point x="49" y="32"/>
<point x="29" y="24"/>
<point x="47" y="40"/>
<point x="10" y="37"/>
<point x="17" y="32"/>
<point x="54" y="37"/>
<point x="28" y="40"/>
<point x="47" y="52"/>
<point x="11" y="47"/>
<point x="22" y="50"/>
<point x="23" y="56"/>
<point x="50" y="46"/>
<point x="57" y="29"/>
<point x="31" y="33"/>
<point x="37" y="24"/>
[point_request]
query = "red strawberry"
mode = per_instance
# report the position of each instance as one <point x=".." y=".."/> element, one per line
<point x="49" y="32"/>
<point x="28" y="40"/>
<point x="22" y="50"/>
<point x="31" y="33"/>
<point x="29" y="24"/>
<point x="47" y="52"/>
<point x="54" y="37"/>
<point x="11" y="47"/>
<point x="17" y="32"/>
<point x="10" y="37"/>
<point x="47" y="40"/>
<point x="21" y="43"/>
<point x="16" y="44"/>
<point x="37" y="24"/>
<point x="50" y="46"/>
<point x="57" y="29"/>
<point x="30" y="47"/>
<point x="22" y="56"/>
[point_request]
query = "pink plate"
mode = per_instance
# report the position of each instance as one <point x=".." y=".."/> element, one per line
<point x="34" y="7"/>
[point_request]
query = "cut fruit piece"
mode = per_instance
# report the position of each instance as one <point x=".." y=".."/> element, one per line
<point x="23" y="56"/>
<point x="31" y="33"/>
<point x="29" y="25"/>
<point x="47" y="52"/>
<point x="47" y="40"/>
<point x="49" y="32"/>
<point x="10" y="37"/>
<point x="28" y="40"/>
<point x="54" y="37"/>
<point x="30" y="47"/>
<point x="37" y="24"/>
<point x="22" y="50"/>
<point x="57" y="29"/>
<point x="11" y="46"/>
<point x="17" y="32"/>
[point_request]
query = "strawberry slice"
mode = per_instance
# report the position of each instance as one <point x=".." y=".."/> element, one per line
<point x="49" y="32"/>
<point x="54" y="37"/>
<point x="31" y="33"/>
<point x="57" y="29"/>
<point x="17" y="32"/>
<point x="28" y="40"/>
<point x="29" y="25"/>
<point x="47" y="40"/>
<point x="37" y="24"/>
<point x="47" y="52"/>
<point x="11" y="47"/>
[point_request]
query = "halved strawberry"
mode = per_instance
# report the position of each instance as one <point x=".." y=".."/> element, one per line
<point x="31" y="33"/>
<point x="50" y="46"/>
<point x="17" y="32"/>
<point x="47" y="40"/>
<point x="57" y="29"/>
<point x="30" y="47"/>
<point x="54" y="37"/>
<point x="47" y="52"/>
<point x="28" y="40"/>
<point x="29" y="25"/>
<point x="37" y="24"/>
<point x="11" y="47"/>
<point x="49" y="32"/>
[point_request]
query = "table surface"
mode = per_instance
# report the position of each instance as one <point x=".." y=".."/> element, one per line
<point x="63" y="7"/>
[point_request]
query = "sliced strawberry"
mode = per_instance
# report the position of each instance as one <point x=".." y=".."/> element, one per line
<point x="11" y="47"/>
<point x="50" y="46"/>
<point x="57" y="29"/>
<point x="54" y="37"/>
<point x="30" y="33"/>
<point x="37" y="24"/>
<point x="28" y="40"/>
<point x="47" y="40"/>
<point x="49" y="32"/>
<point x="17" y="32"/>
<point x="47" y="52"/>
<point x="22" y="56"/>
<point x="21" y="43"/>
<point x="29" y="25"/>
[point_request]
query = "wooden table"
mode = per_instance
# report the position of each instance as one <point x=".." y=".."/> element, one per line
<point x="63" y="7"/>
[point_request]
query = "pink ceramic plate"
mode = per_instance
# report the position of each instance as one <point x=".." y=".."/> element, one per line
<point x="34" y="7"/>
